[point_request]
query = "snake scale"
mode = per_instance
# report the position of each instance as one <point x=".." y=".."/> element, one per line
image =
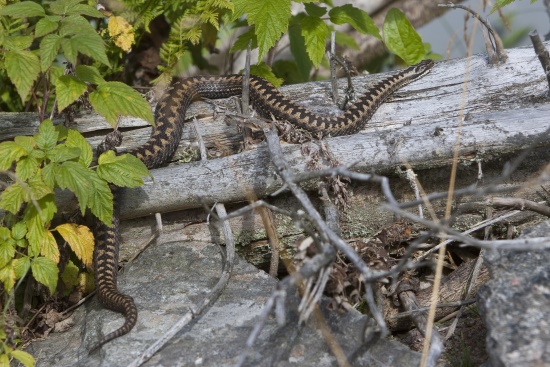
<point x="169" y="118"/>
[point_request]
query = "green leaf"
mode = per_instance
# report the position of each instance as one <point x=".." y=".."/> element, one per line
<point x="21" y="266"/>
<point x="7" y="246"/>
<point x="69" y="89"/>
<point x="355" y="17"/>
<point x="112" y="99"/>
<point x="315" y="33"/>
<point x="70" y="276"/>
<point x="10" y="152"/>
<point x="45" y="271"/>
<point x="344" y="39"/>
<point x="242" y="41"/>
<point x="77" y="178"/>
<point x="23" y="9"/>
<point x="19" y="230"/>
<point x="85" y="9"/>
<point x="90" y="44"/>
<point x="89" y="74"/>
<point x="76" y="140"/>
<point x="502" y="3"/>
<point x="70" y="50"/>
<point x="271" y="18"/>
<point x="16" y="43"/>
<point x="7" y="276"/>
<point x="46" y="138"/>
<point x="63" y="7"/>
<point x="62" y="153"/>
<point x="123" y="170"/>
<point x="298" y="50"/>
<point x="48" y="175"/>
<point x="25" y="142"/>
<point x="49" y="48"/>
<point x="46" y="25"/>
<point x="13" y="197"/>
<point x="73" y="25"/>
<point x="25" y="358"/>
<point x="101" y="200"/>
<point x="315" y="10"/>
<point x="401" y="38"/>
<point x="263" y="70"/>
<point x="38" y="188"/>
<point x="23" y="68"/>
<point x="36" y="221"/>
<point x="26" y="167"/>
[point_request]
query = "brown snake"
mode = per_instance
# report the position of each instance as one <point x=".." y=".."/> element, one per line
<point x="165" y="138"/>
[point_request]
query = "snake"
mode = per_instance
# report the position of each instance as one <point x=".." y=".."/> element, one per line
<point x="166" y="135"/>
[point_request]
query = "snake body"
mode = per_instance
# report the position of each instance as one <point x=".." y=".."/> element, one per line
<point x="165" y="138"/>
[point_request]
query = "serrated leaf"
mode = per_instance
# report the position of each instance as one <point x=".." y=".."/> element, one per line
<point x="23" y="357"/>
<point x="298" y="50"/>
<point x="76" y="140"/>
<point x="70" y="50"/>
<point x="263" y="70"/>
<point x="63" y="7"/>
<point x="344" y="39"/>
<point x="101" y="200"/>
<point x="7" y="277"/>
<point x="36" y="221"/>
<point x="501" y="3"/>
<point x="19" y="230"/>
<point x="49" y="247"/>
<point x="38" y="188"/>
<point x="244" y="39"/>
<point x="315" y="10"/>
<point x="26" y="167"/>
<point x="315" y="33"/>
<point x="23" y="68"/>
<point x="73" y="25"/>
<point x="124" y="170"/>
<point x="17" y="42"/>
<point x="49" y="49"/>
<point x="85" y="9"/>
<point x="7" y="246"/>
<point x="10" y="152"/>
<point x="46" y="138"/>
<point x="89" y="74"/>
<point x="355" y="17"/>
<point x="69" y="89"/>
<point x="80" y="239"/>
<point x="90" y="44"/>
<point x="401" y="38"/>
<point x="270" y="18"/>
<point x="62" y="153"/>
<point x="13" y="197"/>
<point x="24" y="9"/>
<point x="122" y="32"/>
<point x="21" y="266"/>
<point x="45" y="271"/>
<point x="112" y="99"/>
<point x="77" y="178"/>
<point x="48" y="175"/>
<point x="25" y="142"/>
<point x="70" y="277"/>
<point x="46" y="25"/>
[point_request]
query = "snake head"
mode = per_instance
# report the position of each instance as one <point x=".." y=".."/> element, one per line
<point x="424" y="67"/>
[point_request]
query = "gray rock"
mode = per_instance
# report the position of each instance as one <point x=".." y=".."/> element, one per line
<point x="515" y="305"/>
<point x="167" y="279"/>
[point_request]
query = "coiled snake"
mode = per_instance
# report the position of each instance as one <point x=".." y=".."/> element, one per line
<point x="169" y="118"/>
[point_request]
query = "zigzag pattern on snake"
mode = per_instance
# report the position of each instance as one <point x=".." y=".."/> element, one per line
<point x="165" y="138"/>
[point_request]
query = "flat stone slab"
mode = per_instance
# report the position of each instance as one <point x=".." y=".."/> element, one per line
<point x="168" y="278"/>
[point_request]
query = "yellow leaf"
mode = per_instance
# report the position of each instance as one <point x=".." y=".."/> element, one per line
<point x="7" y="276"/>
<point x="81" y="240"/>
<point x="49" y="247"/>
<point x="122" y="32"/>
